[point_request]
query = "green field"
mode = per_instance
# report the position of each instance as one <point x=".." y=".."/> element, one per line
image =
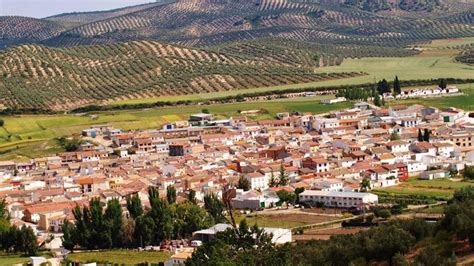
<point x="120" y="257"/>
<point x="442" y="188"/>
<point x="12" y="259"/>
<point x="428" y="65"/>
<point x="284" y="220"/>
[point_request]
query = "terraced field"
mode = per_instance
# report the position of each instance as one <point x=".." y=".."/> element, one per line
<point x="37" y="77"/>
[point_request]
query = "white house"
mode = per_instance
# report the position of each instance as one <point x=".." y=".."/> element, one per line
<point x="257" y="181"/>
<point x="398" y="146"/>
<point x="339" y="199"/>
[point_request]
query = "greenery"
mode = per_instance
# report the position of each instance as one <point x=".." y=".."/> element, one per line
<point x="16" y="240"/>
<point x="243" y="183"/>
<point x="96" y="228"/>
<point x="396" y="242"/>
<point x="119" y="257"/>
<point x="468" y="172"/>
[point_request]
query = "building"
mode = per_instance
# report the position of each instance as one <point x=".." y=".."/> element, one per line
<point x="339" y="199"/>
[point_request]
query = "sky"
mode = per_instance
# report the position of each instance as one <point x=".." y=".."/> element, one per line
<point x="45" y="8"/>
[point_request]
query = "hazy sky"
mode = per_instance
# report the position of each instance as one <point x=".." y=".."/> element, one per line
<point x="44" y="8"/>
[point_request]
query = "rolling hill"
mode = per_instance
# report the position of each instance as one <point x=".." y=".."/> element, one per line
<point x="37" y="77"/>
<point x="205" y="23"/>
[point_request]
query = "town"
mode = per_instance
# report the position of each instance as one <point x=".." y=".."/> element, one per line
<point x="331" y="160"/>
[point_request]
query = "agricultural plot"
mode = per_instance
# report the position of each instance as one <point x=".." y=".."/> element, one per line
<point x="37" y="77"/>
<point x="285" y="220"/>
<point x="440" y="188"/>
<point x="121" y="257"/>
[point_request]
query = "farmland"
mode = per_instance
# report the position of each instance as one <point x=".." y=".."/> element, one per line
<point x="120" y="257"/>
<point x="285" y="220"/>
<point x="33" y="76"/>
<point x="438" y="188"/>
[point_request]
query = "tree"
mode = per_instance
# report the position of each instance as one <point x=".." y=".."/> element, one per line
<point x="298" y="191"/>
<point x="171" y="194"/>
<point x="420" y="135"/>
<point x="284" y="179"/>
<point x="394" y="136"/>
<point x="192" y="196"/>
<point x="365" y="185"/>
<point x="205" y="111"/>
<point x="114" y="222"/>
<point x="286" y="197"/>
<point x="397" y="89"/>
<point x="4" y="214"/>
<point x="443" y="84"/>
<point x="214" y="207"/>
<point x="426" y="135"/>
<point x="383" y="87"/>
<point x="69" y="233"/>
<point x="273" y="180"/>
<point x="27" y="242"/>
<point x="134" y="206"/>
<point x="243" y="183"/>
<point x="189" y="218"/>
<point x="377" y="100"/>
<point x="2" y="122"/>
<point x="144" y="231"/>
<point x="468" y="172"/>
<point x="241" y="245"/>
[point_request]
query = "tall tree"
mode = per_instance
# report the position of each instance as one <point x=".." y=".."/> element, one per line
<point x="114" y="222"/>
<point x="377" y="100"/>
<point x="426" y="135"/>
<point x="365" y="185"/>
<point x="192" y="196"/>
<point x="420" y="135"/>
<point x="383" y="87"/>
<point x="273" y="180"/>
<point x="134" y="206"/>
<point x="397" y="89"/>
<point x="243" y="183"/>
<point x="443" y="84"/>
<point x="214" y="207"/>
<point x="69" y="233"/>
<point x="144" y="231"/>
<point x="284" y="179"/>
<point x="171" y="194"/>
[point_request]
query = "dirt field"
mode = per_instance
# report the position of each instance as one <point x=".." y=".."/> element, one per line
<point x="325" y="234"/>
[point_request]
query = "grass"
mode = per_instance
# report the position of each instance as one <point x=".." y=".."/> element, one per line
<point x="120" y="257"/>
<point x="12" y="259"/>
<point x="284" y="220"/>
<point x="440" y="188"/>
<point x="465" y="102"/>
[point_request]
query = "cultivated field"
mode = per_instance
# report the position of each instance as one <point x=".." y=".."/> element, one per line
<point x="289" y="220"/>
<point x="120" y="257"/>
<point x="438" y="188"/>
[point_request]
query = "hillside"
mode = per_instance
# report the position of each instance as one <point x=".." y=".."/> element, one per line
<point x="210" y="22"/>
<point x="204" y="23"/>
<point x="34" y="76"/>
<point x="16" y="30"/>
<point x="79" y="18"/>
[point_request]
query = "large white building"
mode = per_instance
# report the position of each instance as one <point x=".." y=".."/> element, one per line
<point x="339" y="199"/>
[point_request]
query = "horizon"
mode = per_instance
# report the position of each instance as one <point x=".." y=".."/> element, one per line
<point x="47" y="8"/>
